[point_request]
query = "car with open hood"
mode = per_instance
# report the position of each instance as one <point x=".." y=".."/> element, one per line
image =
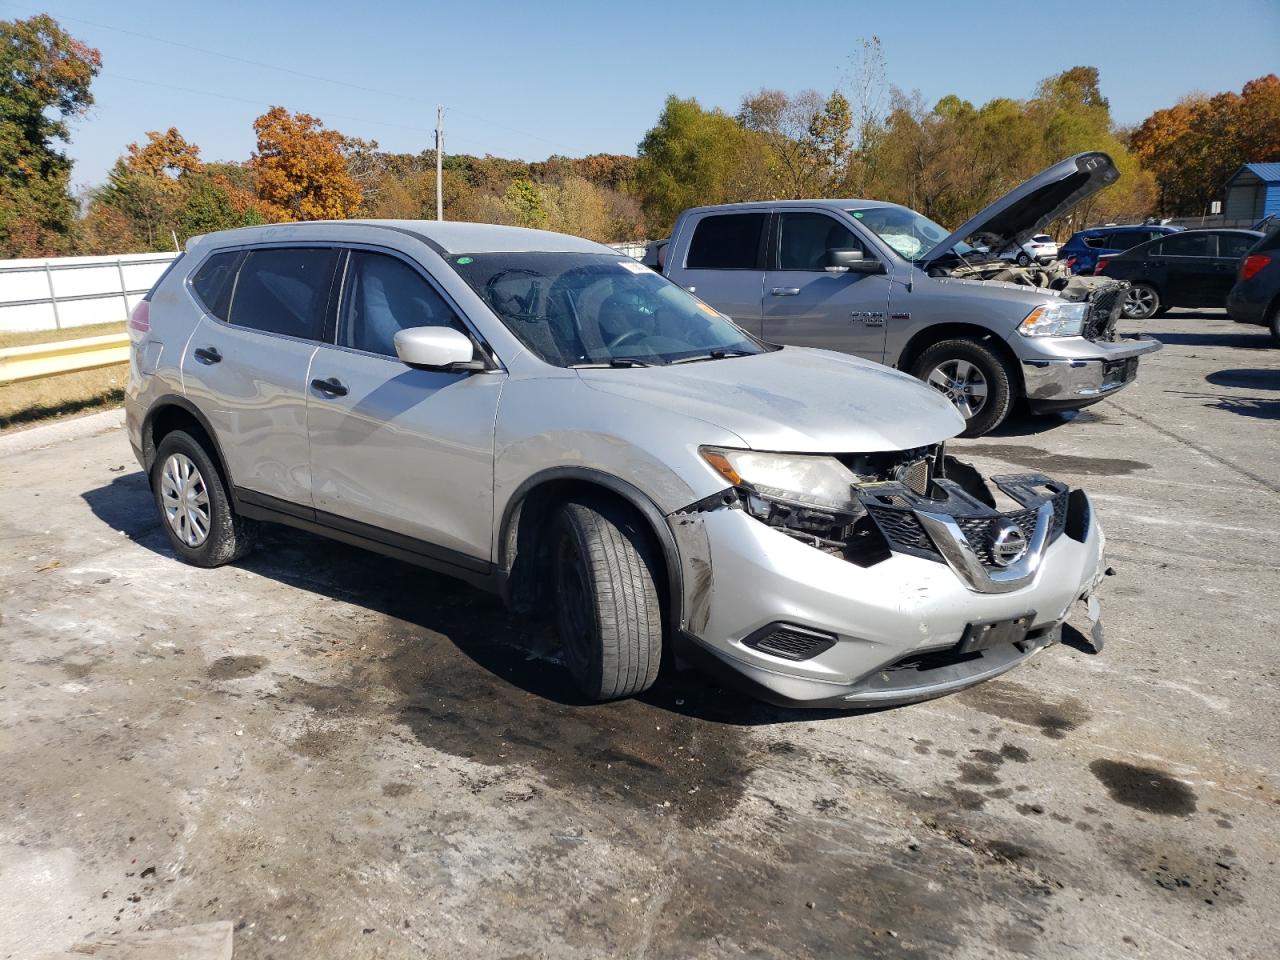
<point x="539" y="416"/>
<point x="883" y="282"/>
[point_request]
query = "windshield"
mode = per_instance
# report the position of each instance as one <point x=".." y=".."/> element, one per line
<point x="574" y="309"/>
<point x="910" y="234"/>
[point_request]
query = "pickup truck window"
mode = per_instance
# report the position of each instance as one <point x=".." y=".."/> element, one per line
<point x="805" y="238"/>
<point x="728" y="241"/>
<point x="909" y="234"/>
<point x="586" y="309"/>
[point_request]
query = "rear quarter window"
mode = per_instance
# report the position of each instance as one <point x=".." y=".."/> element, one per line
<point x="213" y="280"/>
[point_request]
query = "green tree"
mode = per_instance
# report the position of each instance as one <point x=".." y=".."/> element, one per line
<point x="45" y="75"/>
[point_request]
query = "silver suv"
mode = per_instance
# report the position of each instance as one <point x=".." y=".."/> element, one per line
<point x="541" y="417"/>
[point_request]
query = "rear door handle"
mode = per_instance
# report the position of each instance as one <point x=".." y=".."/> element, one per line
<point x="785" y="291"/>
<point x="333" y="387"/>
<point x="208" y="355"/>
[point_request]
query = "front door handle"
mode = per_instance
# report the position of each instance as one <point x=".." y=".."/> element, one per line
<point x="785" y="291"/>
<point x="208" y="355"/>
<point x="333" y="387"/>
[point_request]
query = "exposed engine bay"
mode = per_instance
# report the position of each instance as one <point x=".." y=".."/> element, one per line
<point x="1104" y="295"/>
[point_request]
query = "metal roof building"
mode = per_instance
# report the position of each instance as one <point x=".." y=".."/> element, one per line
<point x="1253" y="192"/>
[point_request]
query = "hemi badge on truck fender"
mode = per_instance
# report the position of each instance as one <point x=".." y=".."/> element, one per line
<point x="899" y="316"/>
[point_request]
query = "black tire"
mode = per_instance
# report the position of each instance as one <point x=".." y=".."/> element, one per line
<point x="1023" y="259"/>
<point x="1152" y="307"/>
<point x="1274" y="325"/>
<point x="229" y="537"/>
<point x="608" y="607"/>
<point x="994" y="369"/>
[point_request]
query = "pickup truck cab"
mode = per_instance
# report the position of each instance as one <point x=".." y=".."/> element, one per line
<point x="881" y="281"/>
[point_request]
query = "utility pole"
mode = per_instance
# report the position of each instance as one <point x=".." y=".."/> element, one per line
<point x="439" y="163"/>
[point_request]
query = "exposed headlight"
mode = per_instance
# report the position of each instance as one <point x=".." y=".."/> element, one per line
<point x="815" y="481"/>
<point x="1055" y="320"/>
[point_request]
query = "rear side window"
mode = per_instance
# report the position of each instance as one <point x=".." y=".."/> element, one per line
<point x="1186" y="245"/>
<point x="727" y="242"/>
<point x="284" y="290"/>
<point x="212" y="283"/>
<point x="1098" y="243"/>
<point x="1124" y="239"/>
<point x="805" y="238"/>
<point x="1234" y="245"/>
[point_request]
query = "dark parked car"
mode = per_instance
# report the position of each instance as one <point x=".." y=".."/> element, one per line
<point x="1195" y="268"/>
<point x="1256" y="296"/>
<point x="1082" y="251"/>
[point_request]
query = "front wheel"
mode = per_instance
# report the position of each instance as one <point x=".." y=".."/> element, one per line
<point x="973" y="377"/>
<point x="1275" y="325"/>
<point x="609" y="611"/>
<point x="1024" y="260"/>
<point x="1141" y="302"/>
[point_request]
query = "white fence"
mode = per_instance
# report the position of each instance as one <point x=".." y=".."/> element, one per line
<point x="75" y="291"/>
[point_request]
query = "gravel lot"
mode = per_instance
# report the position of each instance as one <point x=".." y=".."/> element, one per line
<point x="348" y="757"/>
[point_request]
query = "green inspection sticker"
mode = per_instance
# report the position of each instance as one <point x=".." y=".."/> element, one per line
<point x="857" y="214"/>
<point x="464" y="260"/>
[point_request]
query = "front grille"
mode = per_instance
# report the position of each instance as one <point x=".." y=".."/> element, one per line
<point x="916" y="476"/>
<point x="901" y="529"/>
<point x="790" y="642"/>
<point x="1104" y="311"/>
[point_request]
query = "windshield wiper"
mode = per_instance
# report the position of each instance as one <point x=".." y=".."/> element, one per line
<point x="715" y="355"/>
<point x="613" y="362"/>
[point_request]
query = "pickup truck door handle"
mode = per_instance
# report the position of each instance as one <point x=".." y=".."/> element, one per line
<point x="333" y="387"/>
<point x="208" y="355"/>
<point x="785" y="291"/>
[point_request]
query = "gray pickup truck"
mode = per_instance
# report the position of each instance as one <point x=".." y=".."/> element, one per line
<point x="880" y="281"/>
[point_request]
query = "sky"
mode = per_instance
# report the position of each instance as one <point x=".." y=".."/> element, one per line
<point x="527" y="80"/>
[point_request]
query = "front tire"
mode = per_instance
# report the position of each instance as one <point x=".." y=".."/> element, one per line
<point x="195" y="510"/>
<point x="608" y="607"/>
<point x="1024" y="260"/>
<point x="1141" y="302"/>
<point x="975" y="378"/>
<point x="1274" y="326"/>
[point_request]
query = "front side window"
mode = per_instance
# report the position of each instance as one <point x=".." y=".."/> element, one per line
<point x="383" y="295"/>
<point x="1186" y="245"/>
<point x="805" y="238"/>
<point x="213" y="281"/>
<point x="284" y="290"/>
<point x="909" y="234"/>
<point x="728" y="241"/>
<point x="573" y="309"/>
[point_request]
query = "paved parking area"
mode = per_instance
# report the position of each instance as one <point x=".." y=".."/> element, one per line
<point x="347" y="757"/>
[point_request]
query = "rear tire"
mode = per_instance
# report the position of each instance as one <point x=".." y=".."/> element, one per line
<point x="1274" y="326"/>
<point x="944" y="364"/>
<point x="1142" y="302"/>
<point x="608" y="608"/>
<point x="1024" y="260"/>
<point x="196" y="513"/>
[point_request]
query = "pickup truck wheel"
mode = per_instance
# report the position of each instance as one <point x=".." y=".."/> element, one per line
<point x="1141" y="302"/>
<point x="195" y="510"/>
<point x="973" y="377"/>
<point x="608" y="608"/>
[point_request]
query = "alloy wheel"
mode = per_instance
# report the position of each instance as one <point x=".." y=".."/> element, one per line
<point x="186" y="499"/>
<point x="962" y="383"/>
<point x="1139" y="302"/>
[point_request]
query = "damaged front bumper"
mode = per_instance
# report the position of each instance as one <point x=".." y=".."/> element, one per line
<point x="1071" y="375"/>
<point x="805" y="625"/>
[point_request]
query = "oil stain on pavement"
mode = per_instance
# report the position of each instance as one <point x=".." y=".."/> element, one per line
<point x="1145" y="788"/>
<point x="1051" y="463"/>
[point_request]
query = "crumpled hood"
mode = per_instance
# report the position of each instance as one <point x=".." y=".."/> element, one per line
<point x="794" y="400"/>
<point x="1029" y="208"/>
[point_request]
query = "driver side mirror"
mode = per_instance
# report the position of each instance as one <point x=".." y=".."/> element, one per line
<point x="437" y="348"/>
<point x="851" y="260"/>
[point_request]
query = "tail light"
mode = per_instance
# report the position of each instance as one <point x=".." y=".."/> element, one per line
<point x="1071" y="263"/>
<point x="1252" y="264"/>
<point x="1100" y="266"/>
<point x="140" y="319"/>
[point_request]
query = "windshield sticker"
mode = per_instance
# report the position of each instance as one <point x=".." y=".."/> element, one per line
<point x="634" y="266"/>
<point x="463" y="261"/>
<point x="707" y="308"/>
<point x="857" y="214"/>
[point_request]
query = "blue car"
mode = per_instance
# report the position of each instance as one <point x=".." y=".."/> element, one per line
<point x="1082" y="251"/>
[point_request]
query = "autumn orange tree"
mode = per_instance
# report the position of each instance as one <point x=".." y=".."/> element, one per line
<point x="1195" y="145"/>
<point x="300" y="168"/>
<point x="44" y="82"/>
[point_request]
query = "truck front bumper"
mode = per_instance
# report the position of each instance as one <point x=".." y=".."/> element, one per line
<point x="1099" y="369"/>
<point x="885" y="634"/>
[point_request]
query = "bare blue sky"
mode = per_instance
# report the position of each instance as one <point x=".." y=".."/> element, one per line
<point x="531" y="79"/>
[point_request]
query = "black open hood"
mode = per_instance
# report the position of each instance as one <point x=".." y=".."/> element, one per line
<point x="1028" y="209"/>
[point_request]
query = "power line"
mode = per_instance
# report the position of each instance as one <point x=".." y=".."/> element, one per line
<point x="292" y="72"/>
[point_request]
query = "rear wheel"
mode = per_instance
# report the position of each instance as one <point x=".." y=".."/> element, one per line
<point x="1275" y="325"/>
<point x="1141" y="302"/>
<point x="1024" y="260"/>
<point x="191" y="497"/>
<point x="609" y="610"/>
<point x="973" y="377"/>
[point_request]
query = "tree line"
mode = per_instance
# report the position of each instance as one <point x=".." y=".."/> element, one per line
<point x="864" y="139"/>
